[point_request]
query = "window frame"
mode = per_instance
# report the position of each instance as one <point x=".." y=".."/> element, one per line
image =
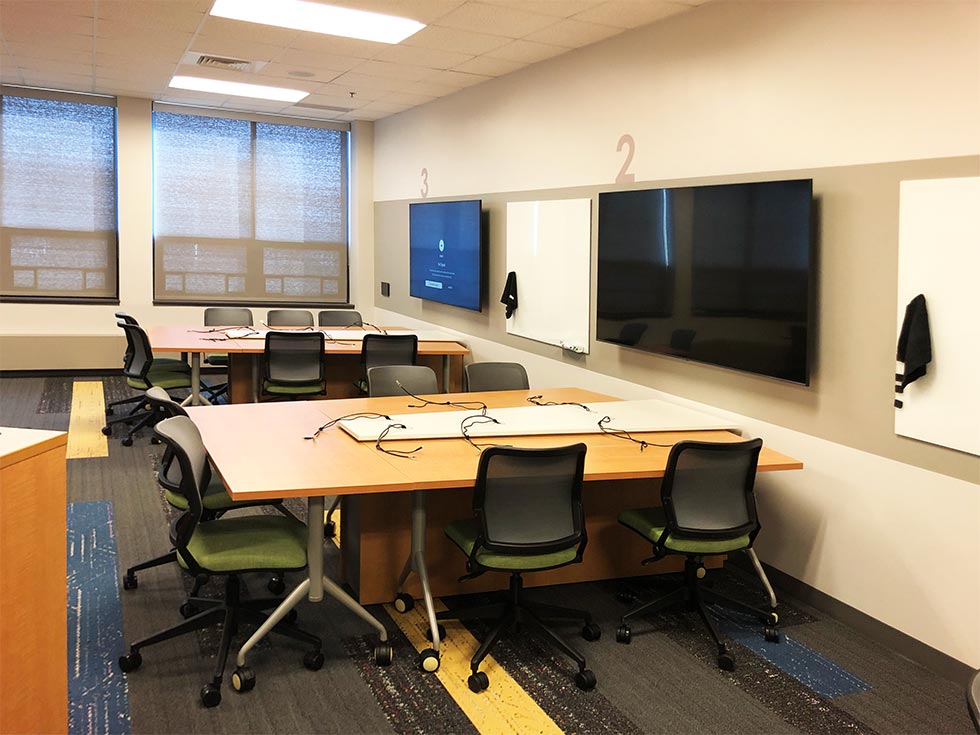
<point x="253" y="118"/>
<point x="12" y="90"/>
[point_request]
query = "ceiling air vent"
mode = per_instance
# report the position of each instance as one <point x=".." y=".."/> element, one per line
<point x="220" y="62"/>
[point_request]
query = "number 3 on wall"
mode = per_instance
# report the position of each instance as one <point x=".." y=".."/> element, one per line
<point x="624" y="177"/>
<point x="425" y="183"/>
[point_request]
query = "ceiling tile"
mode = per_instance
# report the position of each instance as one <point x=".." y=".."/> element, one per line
<point x="440" y="38"/>
<point x="393" y="71"/>
<point x="573" y="33"/>
<point x="424" y="11"/>
<point x="499" y="20"/>
<point x="338" y="93"/>
<point x="236" y="30"/>
<point x="67" y="82"/>
<point x="527" y="52"/>
<point x="629" y="14"/>
<point x="185" y="15"/>
<point x="423" y="57"/>
<point x="317" y="60"/>
<point x="488" y="66"/>
<point x="277" y="70"/>
<point x="358" y="82"/>
<point x="49" y="66"/>
<point x="235" y="49"/>
<point x="16" y="23"/>
<point x="556" y="8"/>
<point x="406" y="98"/>
<point x="337" y="45"/>
<point x="457" y="79"/>
<point x="47" y="45"/>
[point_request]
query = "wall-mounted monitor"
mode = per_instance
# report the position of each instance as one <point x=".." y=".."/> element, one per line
<point x="445" y="257"/>
<point x="718" y="274"/>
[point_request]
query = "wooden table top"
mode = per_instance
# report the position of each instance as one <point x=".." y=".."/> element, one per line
<point x="198" y="339"/>
<point x="260" y="449"/>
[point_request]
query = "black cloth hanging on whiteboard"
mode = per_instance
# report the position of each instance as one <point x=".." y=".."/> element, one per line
<point x="914" y="345"/>
<point x="509" y="297"/>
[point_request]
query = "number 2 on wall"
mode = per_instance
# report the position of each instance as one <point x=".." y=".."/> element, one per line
<point x="624" y="177"/>
<point x="425" y="183"/>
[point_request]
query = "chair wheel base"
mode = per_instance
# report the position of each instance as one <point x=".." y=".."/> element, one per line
<point x="127" y="442"/>
<point x="383" y="654"/>
<point x="130" y="582"/>
<point x="130" y="661"/>
<point x="585" y="680"/>
<point x="188" y="610"/>
<point x="591" y="632"/>
<point x="429" y="661"/>
<point x="726" y="662"/>
<point x="210" y="695"/>
<point x="243" y="679"/>
<point x="772" y="634"/>
<point x="329" y="529"/>
<point x="403" y="602"/>
<point x="313" y="660"/>
<point x="107" y="431"/>
<point x="478" y="681"/>
<point x="276" y="585"/>
<point x="624" y="634"/>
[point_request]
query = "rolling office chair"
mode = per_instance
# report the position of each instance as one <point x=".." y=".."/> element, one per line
<point x="481" y="376"/>
<point x="289" y="318"/>
<point x="339" y="318"/>
<point x="143" y="372"/>
<point x="417" y="379"/>
<point x="386" y="349"/>
<point x="223" y="316"/>
<point x="215" y="500"/>
<point x="294" y="365"/>
<point x="528" y="517"/>
<point x="227" y="547"/>
<point x="708" y="507"/>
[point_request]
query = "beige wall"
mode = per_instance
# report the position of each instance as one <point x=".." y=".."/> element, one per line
<point x="857" y="95"/>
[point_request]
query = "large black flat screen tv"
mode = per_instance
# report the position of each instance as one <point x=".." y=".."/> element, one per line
<point x="717" y="274"/>
<point x="444" y="252"/>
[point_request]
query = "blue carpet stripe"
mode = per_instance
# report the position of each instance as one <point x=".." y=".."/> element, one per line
<point x="817" y="672"/>
<point x="98" y="700"/>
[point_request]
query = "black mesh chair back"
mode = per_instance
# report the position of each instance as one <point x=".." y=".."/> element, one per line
<point x="182" y="437"/>
<point x="289" y="318"/>
<point x="227" y="316"/>
<point x="384" y="380"/>
<point x="124" y="317"/>
<point x="294" y="359"/>
<point x="168" y="473"/>
<point x="339" y="318"/>
<point x="529" y="501"/>
<point x="481" y="376"/>
<point x="707" y="490"/>
<point x="139" y="355"/>
<point x="389" y="349"/>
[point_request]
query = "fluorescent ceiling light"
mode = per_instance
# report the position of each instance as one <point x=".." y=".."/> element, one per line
<point x="238" y="89"/>
<point x="318" y="18"/>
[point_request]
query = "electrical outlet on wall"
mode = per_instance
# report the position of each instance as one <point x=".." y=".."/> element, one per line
<point x="385" y="288"/>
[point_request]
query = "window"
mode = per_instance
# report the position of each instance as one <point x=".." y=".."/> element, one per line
<point x="247" y="210"/>
<point x="57" y="197"/>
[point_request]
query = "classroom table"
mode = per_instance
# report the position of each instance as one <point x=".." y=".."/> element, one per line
<point x="261" y="452"/>
<point x="343" y="368"/>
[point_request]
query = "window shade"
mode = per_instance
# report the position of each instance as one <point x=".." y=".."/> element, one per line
<point x="57" y="199"/>
<point x="249" y="211"/>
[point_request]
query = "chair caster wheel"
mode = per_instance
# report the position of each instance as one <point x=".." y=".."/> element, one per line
<point x="329" y="529"/>
<point x="772" y="619"/>
<point x="478" y="681"/>
<point x="189" y="610"/>
<point x="772" y="634"/>
<point x="107" y="431"/>
<point x="243" y="679"/>
<point x="591" y="632"/>
<point x="154" y="440"/>
<point x="130" y="582"/>
<point x="210" y="695"/>
<point x="585" y="680"/>
<point x="110" y="411"/>
<point x="383" y="654"/>
<point x="313" y="660"/>
<point x="726" y="662"/>
<point x="276" y="585"/>
<point x="128" y="442"/>
<point x="403" y="603"/>
<point x="624" y="634"/>
<point x="429" y="661"/>
<point x="130" y="661"/>
<point x="440" y="628"/>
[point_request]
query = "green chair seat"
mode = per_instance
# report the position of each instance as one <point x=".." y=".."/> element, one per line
<point x="650" y="523"/>
<point x="168" y="363"/>
<point x="165" y="379"/>
<point x="464" y="534"/>
<point x="248" y="543"/>
<point x="215" y="497"/>
<point x="218" y="359"/>
<point x="292" y="390"/>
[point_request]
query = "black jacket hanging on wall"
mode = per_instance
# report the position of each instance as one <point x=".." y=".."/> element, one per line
<point x="509" y="297"/>
<point x="914" y="345"/>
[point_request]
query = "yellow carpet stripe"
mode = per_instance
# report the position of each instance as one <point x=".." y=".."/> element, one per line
<point x="503" y="709"/>
<point x="86" y="420"/>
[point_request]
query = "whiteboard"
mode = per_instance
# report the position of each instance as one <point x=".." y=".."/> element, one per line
<point x="548" y="247"/>
<point x="939" y="256"/>
<point x="649" y="414"/>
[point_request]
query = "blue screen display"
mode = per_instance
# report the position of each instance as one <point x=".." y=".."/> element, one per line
<point x="444" y="252"/>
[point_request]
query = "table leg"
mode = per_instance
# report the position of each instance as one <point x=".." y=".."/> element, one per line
<point x="446" y="378"/>
<point x="416" y="563"/>
<point x="314" y="545"/>
<point x="195" y="398"/>
<point x="273" y="620"/>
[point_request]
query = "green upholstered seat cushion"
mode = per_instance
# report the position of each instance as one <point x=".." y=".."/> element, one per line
<point x="165" y="379"/>
<point x="464" y="534"/>
<point x="292" y="390"/>
<point x="650" y="523"/>
<point x="248" y="543"/>
<point x="168" y="363"/>
<point x="219" y="359"/>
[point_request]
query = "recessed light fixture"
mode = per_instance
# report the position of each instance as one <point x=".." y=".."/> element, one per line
<point x="238" y="89"/>
<point x="318" y="18"/>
